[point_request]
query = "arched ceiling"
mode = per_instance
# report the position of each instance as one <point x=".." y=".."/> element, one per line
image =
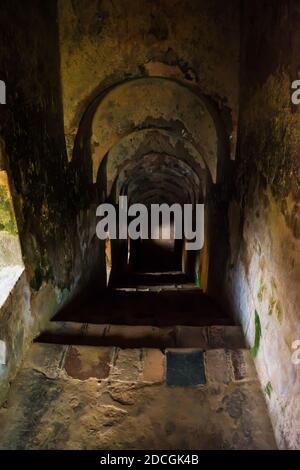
<point x="162" y="173"/>
<point x="154" y="103"/>
<point x="129" y="151"/>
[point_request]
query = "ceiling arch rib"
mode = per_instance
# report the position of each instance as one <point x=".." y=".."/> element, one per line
<point x="155" y="148"/>
<point x="159" y="170"/>
<point x="167" y="188"/>
<point x="164" y="104"/>
<point x="133" y="147"/>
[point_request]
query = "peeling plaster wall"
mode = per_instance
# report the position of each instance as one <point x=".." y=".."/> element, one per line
<point x="31" y="127"/>
<point x="104" y="43"/>
<point x="51" y="221"/>
<point x="33" y="152"/>
<point x="264" y="267"/>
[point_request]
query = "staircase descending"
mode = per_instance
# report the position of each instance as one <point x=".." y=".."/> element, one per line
<point x="154" y="363"/>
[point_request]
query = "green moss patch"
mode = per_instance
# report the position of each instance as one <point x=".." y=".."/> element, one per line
<point x="7" y="219"/>
<point x="255" y="348"/>
<point x="197" y="280"/>
<point x="268" y="389"/>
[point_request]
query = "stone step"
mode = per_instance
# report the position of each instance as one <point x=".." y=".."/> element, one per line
<point x="177" y="367"/>
<point x="159" y="288"/>
<point x="155" y="279"/>
<point x="127" y="336"/>
<point x="153" y="308"/>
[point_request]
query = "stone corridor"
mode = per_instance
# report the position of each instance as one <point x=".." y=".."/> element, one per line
<point x="125" y="115"/>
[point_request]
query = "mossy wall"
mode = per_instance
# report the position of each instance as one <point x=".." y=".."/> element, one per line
<point x="10" y="252"/>
<point x="7" y="216"/>
<point x="33" y="152"/>
<point x="264" y="268"/>
<point x="32" y="129"/>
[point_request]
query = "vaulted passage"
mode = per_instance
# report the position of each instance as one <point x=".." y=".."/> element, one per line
<point x="171" y="129"/>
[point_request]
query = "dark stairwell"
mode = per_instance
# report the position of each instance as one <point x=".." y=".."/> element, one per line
<point x="145" y="344"/>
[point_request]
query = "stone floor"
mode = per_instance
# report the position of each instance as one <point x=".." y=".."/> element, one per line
<point x="157" y="365"/>
<point x="87" y="397"/>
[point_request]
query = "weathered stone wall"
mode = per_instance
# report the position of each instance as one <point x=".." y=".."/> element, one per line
<point x="10" y="251"/>
<point x="33" y="155"/>
<point x="51" y="221"/>
<point x="264" y="267"/>
<point x="104" y="43"/>
<point x="16" y="325"/>
<point x="34" y="142"/>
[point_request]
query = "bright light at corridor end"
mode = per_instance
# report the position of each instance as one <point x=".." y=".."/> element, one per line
<point x="187" y="221"/>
